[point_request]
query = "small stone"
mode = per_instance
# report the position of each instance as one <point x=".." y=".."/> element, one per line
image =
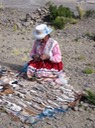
<point x="22" y="118"/>
<point x="92" y="117"/>
<point x="18" y="25"/>
<point x="30" y="120"/>
<point x="81" y="102"/>
<point x="85" y="105"/>
<point x="3" y="114"/>
<point x="81" y="109"/>
<point x="76" y="108"/>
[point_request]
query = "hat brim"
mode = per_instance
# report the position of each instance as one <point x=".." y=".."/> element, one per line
<point x="41" y="36"/>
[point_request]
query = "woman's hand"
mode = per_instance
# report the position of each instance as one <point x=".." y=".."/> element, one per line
<point x="36" y="57"/>
<point x="44" y="57"/>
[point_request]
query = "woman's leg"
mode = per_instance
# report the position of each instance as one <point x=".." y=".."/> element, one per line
<point x="43" y="68"/>
<point x="31" y="69"/>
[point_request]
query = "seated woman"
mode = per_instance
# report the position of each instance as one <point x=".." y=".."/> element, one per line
<point x="46" y="55"/>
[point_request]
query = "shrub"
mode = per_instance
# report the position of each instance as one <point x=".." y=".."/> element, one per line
<point x="80" y="11"/>
<point x="91" y="36"/>
<point x="81" y="57"/>
<point x="90" y="96"/>
<point x="64" y="11"/>
<point x="88" y="34"/>
<point x="16" y="51"/>
<point x="89" y="13"/>
<point x="59" y="16"/>
<point x="59" y="23"/>
<point x="59" y="11"/>
<point x="88" y="71"/>
<point x="14" y="27"/>
<point x="53" y="12"/>
<point x="73" y="21"/>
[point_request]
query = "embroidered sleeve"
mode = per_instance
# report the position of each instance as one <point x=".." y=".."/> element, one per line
<point x="56" y="54"/>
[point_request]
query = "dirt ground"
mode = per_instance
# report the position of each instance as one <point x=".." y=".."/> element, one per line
<point x="78" y="52"/>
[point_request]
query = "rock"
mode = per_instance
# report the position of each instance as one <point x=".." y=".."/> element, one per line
<point x="92" y="117"/>
<point x="85" y="105"/>
<point x="76" y="108"/>
<point x="33" y="16"/>
<point x="22" y="118"/>
<point x="31" y="120"/>
<point x="81" y="109"/>
<point x="26" y="24"/>
<point x="28" y="17"/>
<point x="18" y="25"/>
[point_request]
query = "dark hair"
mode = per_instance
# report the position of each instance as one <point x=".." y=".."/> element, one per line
<point x="49" y="35"/>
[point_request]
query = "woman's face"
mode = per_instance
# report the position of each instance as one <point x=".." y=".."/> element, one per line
<point x="44" y="40"/>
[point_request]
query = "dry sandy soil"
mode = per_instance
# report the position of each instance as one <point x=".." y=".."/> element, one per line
<point x="78" y="52"/>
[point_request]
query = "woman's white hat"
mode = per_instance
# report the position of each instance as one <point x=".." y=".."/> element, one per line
<point x="41" y="31"/>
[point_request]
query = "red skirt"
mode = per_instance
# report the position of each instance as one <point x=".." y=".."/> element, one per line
<point x="44" y="68"/>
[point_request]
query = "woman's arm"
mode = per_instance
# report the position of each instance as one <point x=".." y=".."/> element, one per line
<point x="56" y="54"/>
<point x="33" y="51"/>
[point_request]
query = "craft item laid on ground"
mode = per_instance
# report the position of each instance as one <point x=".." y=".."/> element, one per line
<point x="33" y="100"/>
